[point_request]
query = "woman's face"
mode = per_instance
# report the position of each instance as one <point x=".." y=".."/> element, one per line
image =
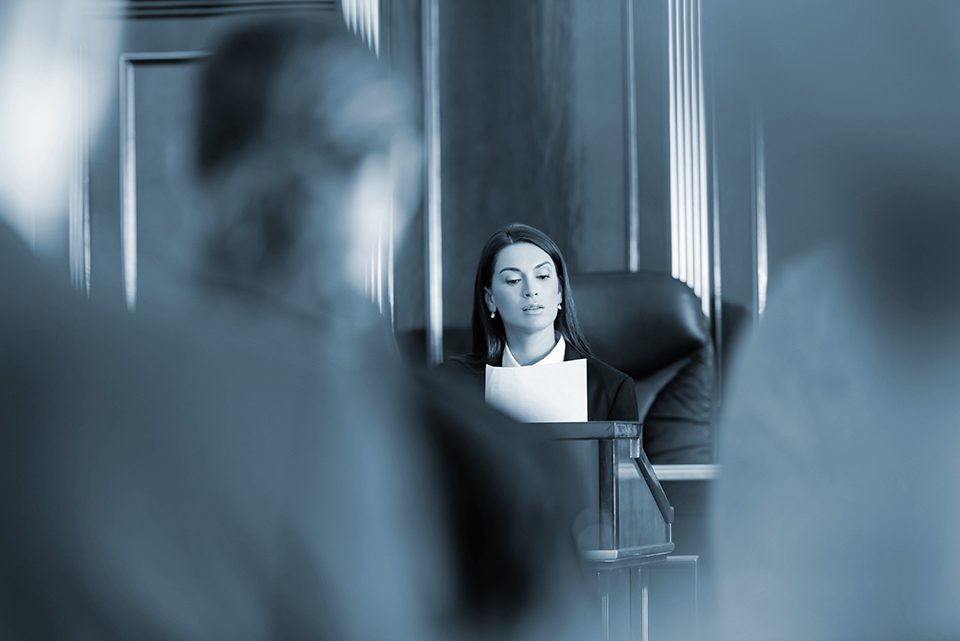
<point x="525" y="289"/>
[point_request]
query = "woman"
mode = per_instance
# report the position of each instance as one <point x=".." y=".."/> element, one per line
<point x="524" y="314"/>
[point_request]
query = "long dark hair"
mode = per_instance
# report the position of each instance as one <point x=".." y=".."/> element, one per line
<point x="489" y="335"/>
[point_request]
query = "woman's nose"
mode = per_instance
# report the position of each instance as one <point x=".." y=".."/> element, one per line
<point x="530" y="290"/>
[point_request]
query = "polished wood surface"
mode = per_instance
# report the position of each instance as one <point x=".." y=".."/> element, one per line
<point x="643" y="591"/>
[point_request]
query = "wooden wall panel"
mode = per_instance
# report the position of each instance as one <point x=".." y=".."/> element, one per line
<point x="551" y="112"/>
<point x="650" y="86"/>
<point x="402" y="50"/>
<point x="600" y="137"/>
<point x="158" y="229"/>
<point x="554" y="114"/>
<point x="137" y="171"/>
<point x="505" y="118"/>
<point x="535" y="129"/>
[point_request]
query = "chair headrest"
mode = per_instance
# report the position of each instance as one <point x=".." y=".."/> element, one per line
<point x="639" y="322"/>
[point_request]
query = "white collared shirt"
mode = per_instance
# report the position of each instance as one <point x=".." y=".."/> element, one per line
<point x="556" y="355"/>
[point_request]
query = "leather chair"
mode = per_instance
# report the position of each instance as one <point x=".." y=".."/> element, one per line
<point x="651" y="326"/>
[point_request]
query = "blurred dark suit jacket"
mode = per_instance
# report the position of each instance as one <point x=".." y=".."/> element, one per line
<point x="251" y="481"/>
<point x="166" y="482"/>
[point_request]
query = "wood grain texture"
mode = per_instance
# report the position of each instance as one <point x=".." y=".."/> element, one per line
<point x="200" y="8"/>
<point x="506" y="116"/>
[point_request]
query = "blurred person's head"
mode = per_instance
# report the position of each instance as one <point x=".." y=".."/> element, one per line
<point x="522" y="286"/>
<point x="304" y="145"/>
<point x="862" y="135"/>
<point x="54" y="85"/>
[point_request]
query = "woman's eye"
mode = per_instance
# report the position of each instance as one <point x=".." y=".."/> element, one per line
<point x="543" y="276"/>
<point x="512" y="281"/>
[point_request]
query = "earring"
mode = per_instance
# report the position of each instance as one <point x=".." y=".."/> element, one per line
<point x="559" y="305"/>
<point x="493" y="314"/>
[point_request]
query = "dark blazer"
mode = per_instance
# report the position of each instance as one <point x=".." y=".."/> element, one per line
<point x="611" y="394"/>
<point x="193" y="481"/>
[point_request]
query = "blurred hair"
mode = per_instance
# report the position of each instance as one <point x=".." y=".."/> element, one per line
<point x="489" y="335"/>
<point x="288" y="111"/>
<point x="855" y="91"/>
<point x="862" y="133"/>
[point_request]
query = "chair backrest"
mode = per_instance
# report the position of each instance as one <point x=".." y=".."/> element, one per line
<point x="651" y="326"/>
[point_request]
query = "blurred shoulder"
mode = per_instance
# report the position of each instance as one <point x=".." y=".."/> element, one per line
<point x="462" y="365"/>
<point x="605" y="371"/>
<point x="462" y="372"/>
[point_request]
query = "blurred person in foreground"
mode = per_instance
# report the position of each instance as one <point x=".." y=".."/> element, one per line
<point x="260" y="473"/>
<point x="304" y="144"/>
<point x="170" y="482"/>
<point x="835" y="517"/>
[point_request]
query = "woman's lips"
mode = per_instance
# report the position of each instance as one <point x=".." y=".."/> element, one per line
<point x="532" y="309"/>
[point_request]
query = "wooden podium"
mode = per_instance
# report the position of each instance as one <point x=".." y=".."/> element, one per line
<point x="625" y="528"/>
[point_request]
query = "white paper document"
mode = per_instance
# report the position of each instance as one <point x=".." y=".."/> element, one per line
<point x="552" y="393"/>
